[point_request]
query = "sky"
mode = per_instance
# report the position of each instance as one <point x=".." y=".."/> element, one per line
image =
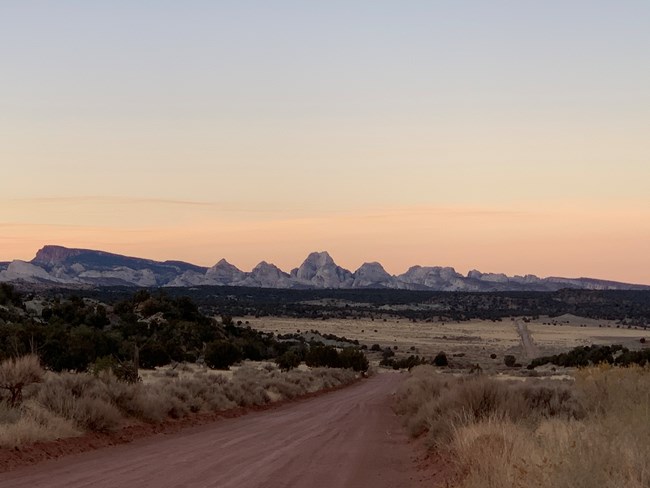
<point x="505" y="136"/>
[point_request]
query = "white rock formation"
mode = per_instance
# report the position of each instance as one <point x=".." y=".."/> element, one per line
<point x="23" y="271"/>
<point x="267" y="275"/>
<point x="372" y="275"/>
<point x="319" y="270"/>
<point x="225" y="273"/>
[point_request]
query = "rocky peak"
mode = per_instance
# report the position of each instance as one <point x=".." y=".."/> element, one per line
<point x="269" y="276"/>
<point x="225" y="273"/>
<point x="434" y="277"/>
<point x="372" y="274"/>
<point x="319" y="269"/>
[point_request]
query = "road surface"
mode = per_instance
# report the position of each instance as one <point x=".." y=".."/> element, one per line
<point x="530" y="348"/>
<point x="347" y="438"/>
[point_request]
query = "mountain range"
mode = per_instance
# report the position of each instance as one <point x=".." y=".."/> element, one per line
<point x="57" y="265"/>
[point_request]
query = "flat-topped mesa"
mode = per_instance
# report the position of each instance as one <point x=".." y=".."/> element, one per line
<point x="51" y="255"/>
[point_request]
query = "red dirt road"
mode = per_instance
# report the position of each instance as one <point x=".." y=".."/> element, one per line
<point x="346" y="439"/>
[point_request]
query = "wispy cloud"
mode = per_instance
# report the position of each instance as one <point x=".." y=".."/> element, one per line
<point x="108" y="200"/>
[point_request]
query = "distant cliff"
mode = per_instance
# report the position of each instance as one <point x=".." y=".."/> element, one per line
<point x="65" y="266"/>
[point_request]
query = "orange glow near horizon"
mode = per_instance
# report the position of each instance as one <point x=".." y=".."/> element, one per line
<point x="565" y="239"/>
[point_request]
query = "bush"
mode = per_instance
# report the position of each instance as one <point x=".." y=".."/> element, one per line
<point x="353" y="359"/>
<point x="288" y="360"/>
<point x="222" y="354"/>
<point x="583" y="356"/>
<point x="387" y="353"/>
<point x="403" y="363"/>
<point x="153" y="355"/>
<point x="509" y="360"/>
<point x="17" y="373"/>
<point x="441" y="359"/>
<point x="375" y="347"/>
<point x="322" y="356"/>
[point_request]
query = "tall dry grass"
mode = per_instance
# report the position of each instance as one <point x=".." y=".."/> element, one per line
<point x="594" y="432"/>
<point x="68" y="404"/>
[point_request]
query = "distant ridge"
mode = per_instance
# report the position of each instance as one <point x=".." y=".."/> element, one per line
<point x="58" y="265"/>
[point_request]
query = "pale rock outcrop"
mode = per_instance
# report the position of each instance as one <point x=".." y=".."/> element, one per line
<point x="23" y="271"/>
<point x="434" y="278"/>
<point x="120" y="275"/>
<point x="488" y="277"/>
<point x="267" y="275"/>
<point x="373" y="275"/>
<point x="191" y="278"/>
<point x="319" y="270"/>
<point x="225" y="273"/>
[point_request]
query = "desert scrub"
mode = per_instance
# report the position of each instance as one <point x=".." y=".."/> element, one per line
<point x="591" y="432"/>
<point x="16" y="374"/>
<point x="68" y="404"/>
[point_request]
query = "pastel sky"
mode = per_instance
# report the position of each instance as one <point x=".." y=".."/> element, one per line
<point x="507" y="136"/>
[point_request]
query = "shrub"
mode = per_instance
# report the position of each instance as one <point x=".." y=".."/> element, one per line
<point x="322" y="356"/>
<point x="222" y="354"/>
<point x="509" y="360"/>
<point x="353" y="359"/>
<point x="403" y="363"/>
<point x="387" y="353"/>
<point x="441" y="359"/>
<point x="375" y="347"/>
<point x="125" y="371"/>
<point x="81" y="398"/>
<point x="153" y="355"/>
<point x="17" y="373"/>
<point x="288" y="360"/>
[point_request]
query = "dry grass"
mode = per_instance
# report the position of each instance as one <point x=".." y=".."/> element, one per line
<point x="439" y="404"/>
<point x="595" y="433"/>
<point x="466" y="343"/>
<point x="32" y="422"/>
<point x="476" y="339"/>
<point x="68" y="404"/>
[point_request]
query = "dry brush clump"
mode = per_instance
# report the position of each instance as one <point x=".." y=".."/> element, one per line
<point x="68" y="404"/>
<point x="16" y="374"/>
<point x="594" y="432"/>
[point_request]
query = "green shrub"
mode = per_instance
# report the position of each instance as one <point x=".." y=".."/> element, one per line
<point x="322" y="356"/>
<point x="288" y="360"/>
<point x="351" y="358"/>
<point x="222" y="354"/>
<point x="403" y="363"/>
<point x="509" y="360"/>
<point x="441" y="359"/>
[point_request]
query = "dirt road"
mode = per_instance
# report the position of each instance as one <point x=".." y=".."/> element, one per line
<point x="348" y="438"/>
<point x="530" y="348"/>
